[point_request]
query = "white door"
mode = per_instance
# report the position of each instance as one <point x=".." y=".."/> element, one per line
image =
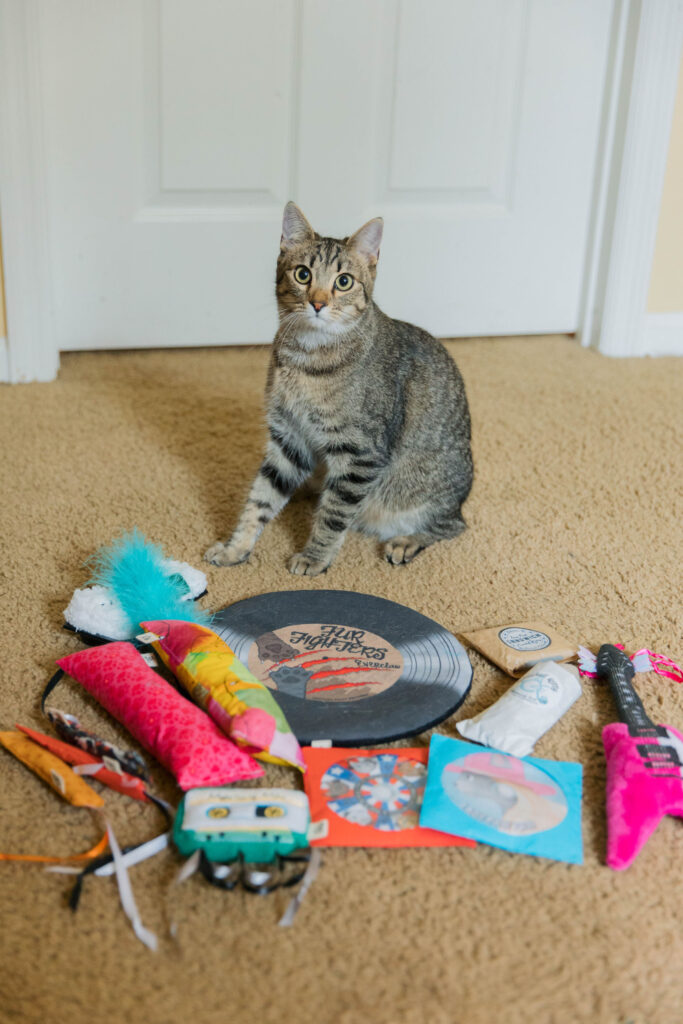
<point x="176" y="130"/>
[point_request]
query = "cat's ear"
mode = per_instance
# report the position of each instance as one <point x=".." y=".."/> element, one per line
<point x="295" y="227"/>
<point x="368" y="239"/>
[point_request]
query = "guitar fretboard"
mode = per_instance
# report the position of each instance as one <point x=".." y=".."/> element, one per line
<point x="616" y="667"/>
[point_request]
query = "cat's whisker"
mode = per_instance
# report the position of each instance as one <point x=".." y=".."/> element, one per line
<point x="291" y="321"/>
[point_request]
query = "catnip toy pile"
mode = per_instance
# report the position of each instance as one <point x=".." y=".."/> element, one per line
<point x="223" y="720"/>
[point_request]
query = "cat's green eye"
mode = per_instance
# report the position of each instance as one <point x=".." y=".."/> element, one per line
<point x="302" y="275"/>
<point x="343" y="283"/>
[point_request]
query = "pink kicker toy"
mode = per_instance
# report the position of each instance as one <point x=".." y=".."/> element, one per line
<point x="644" y="765"/>
<point x="175" y="731"/>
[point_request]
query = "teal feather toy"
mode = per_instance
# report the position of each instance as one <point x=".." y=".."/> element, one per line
<point x="132" y="569"/>
<point x="132" y="582"/>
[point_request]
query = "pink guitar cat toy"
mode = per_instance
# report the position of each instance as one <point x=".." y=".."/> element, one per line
<point x="644" y="765"/>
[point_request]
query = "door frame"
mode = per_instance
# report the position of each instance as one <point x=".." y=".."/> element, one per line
<point x="29" y="353"/>
<point x="642" y="80"/>
<point x="637" y="112"/>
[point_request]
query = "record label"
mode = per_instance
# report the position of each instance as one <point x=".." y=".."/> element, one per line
<point x="325" y="661"/>
<point x="348" y="667"/>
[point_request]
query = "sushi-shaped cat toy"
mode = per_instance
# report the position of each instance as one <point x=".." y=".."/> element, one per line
<point x="644" y="765"/>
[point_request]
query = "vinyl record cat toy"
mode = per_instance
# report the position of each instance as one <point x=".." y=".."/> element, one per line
<point x="347" y="667"/>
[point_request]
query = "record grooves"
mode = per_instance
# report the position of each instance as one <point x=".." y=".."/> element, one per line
<point x="348" y="667"/>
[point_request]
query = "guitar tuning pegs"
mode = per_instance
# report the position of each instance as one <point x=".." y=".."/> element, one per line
<point x="610" y="659"/>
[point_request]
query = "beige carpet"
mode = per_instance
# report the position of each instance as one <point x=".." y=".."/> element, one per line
<point x="575" y="518"/>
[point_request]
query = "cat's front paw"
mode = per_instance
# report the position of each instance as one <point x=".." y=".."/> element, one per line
<point x="402" y="550"/>
<point x="304" y="564"/>
<point x="226" y="554"/>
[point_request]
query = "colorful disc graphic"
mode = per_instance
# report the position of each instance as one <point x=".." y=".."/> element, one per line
<point x="383" y="792"/>
<point x="347" y="667"/>
<point x="505" y="793"/>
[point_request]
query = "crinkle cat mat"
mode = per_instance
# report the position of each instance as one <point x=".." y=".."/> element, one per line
<point x="132" y="580"/>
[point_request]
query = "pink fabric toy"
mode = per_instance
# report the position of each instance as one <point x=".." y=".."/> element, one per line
<point x="175" y="731"/>
<point x="643" y="785"/>
<point x="644" y="765"/>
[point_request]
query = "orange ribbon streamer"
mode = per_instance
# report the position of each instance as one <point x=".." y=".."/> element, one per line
<point x="96" y="850"/>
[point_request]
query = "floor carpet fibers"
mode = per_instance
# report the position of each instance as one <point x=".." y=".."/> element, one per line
<point x="575" y="519"/>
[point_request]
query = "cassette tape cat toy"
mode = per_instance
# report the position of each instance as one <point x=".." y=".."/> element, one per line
<point x="258" y="837"/>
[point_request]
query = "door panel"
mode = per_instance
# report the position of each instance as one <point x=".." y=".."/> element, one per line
<point x="176" y="132"/>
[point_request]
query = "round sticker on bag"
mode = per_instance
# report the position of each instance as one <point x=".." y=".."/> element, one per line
<point x="520" y="639"/>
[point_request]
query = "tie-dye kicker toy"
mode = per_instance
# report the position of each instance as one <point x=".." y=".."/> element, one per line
<point x="235" y="699"/>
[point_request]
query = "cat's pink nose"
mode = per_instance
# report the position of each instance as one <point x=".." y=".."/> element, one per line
<point x="317" y="306"/>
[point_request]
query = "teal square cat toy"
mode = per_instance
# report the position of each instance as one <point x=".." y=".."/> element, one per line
<point x="255" y="825"/>
<point x="525" y="805"/>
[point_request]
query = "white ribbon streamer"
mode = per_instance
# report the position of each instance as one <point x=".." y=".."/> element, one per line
<point x="136" y="856"/>
<point x="287" y="919"/>
<point x="189" y="867"/>
<point x="126" y="893"/>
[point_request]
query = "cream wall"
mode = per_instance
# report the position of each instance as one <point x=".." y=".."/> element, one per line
<point x="666" y="281"/>
<point x="3" y="321"/>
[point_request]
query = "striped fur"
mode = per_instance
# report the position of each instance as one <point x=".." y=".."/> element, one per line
<point x="375" y="405"/>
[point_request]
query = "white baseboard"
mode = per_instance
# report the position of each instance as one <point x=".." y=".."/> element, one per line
<point x="662" y="335"/>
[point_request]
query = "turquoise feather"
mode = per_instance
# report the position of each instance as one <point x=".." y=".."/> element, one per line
<point x="131" y="568"/>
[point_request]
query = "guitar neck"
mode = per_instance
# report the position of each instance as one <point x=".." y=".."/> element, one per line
<point x="616" y="667"/>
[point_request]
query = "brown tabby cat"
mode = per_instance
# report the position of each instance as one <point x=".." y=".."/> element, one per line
<point x="377" y="405"/>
